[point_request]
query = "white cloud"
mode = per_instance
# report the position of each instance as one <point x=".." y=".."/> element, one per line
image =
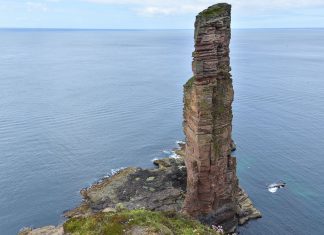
<point x="156" y="11"/>
<point x="36" y="6"/>
<point x="168" y="7"/>
<point x="161" y="10"/>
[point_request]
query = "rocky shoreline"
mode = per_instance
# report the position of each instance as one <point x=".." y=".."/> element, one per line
<point x="161" y="188"/>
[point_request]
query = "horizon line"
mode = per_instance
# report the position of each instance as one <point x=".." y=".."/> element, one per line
<point x="138" y="29"/>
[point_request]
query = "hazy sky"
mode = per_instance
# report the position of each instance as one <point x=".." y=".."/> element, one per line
<point x="165" y="14"/>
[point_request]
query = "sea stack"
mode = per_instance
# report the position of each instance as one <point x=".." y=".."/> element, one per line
<point x="212" y="184"/>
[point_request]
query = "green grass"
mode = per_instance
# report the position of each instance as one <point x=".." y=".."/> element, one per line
<point x="214" y="10"/>
<point x="123" y="221"/>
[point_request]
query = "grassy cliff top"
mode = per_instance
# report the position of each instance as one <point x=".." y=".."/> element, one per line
<point x="136" y="222"/>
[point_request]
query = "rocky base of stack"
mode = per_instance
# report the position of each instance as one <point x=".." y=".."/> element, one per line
<point x="245" y="209"/>
<point x="159" y="189"/>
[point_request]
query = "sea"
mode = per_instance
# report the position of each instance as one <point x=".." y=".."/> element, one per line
<point x="77" y="105"/>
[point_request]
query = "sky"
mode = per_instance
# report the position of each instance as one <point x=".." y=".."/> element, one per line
<point x="156" y="14"/>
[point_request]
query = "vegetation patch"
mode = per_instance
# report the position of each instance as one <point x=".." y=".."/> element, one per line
<point x="126" y="221"/>
<point x="189" y="83"/>
<point x="214" y="10"/>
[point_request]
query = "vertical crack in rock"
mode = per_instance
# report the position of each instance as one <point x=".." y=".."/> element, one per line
<point x="212" y="184"/>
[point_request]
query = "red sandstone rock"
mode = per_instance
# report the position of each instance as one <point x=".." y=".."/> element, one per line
<point x="212" y="184"/>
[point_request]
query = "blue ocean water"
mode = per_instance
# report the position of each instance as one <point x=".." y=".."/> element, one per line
<point x="76" y="104"/>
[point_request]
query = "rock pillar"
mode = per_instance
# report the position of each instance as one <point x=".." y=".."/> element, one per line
<point x="212" y="184"/>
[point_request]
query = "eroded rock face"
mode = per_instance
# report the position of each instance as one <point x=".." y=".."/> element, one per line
<point x="212" y="184"/>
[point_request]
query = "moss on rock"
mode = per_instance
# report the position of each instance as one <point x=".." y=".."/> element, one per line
<point x="215" y="10"/>
<point x="189" y="83"/>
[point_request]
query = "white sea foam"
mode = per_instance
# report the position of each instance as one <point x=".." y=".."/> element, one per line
<point x="115" y="171"/>
<point x="272" y="190"/>
<point x="166" y="152"/>
<point x="171" y="153"/>
<point x="108" y="175"/>
<point x="174" y="155"/>
<point x="154" y="159"/>
<point x="179" y="142"/>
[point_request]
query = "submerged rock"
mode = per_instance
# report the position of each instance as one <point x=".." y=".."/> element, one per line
<point x="273" y="188"/>
<point x="233" y="146"/>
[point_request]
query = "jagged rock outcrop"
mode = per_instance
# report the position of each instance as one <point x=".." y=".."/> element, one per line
<point x="158" y="189"/>
<point x="212" y="184"/>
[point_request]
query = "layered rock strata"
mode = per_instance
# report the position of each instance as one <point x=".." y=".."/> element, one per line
<point x="212" y="184"/>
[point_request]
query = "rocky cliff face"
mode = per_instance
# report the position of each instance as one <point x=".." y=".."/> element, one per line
<point x="212" y="185"/>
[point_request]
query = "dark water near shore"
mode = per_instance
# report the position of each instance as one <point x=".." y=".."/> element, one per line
<point x="77" y="104"/>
